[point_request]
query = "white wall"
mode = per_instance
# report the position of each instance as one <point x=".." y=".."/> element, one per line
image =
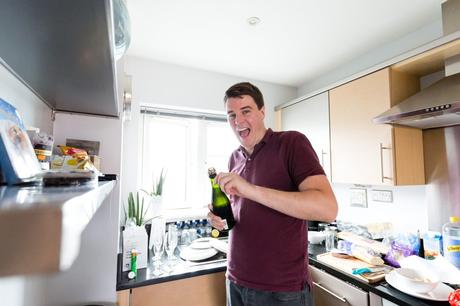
<point x="407" y="212"/>
<point x="406" y="43"/>
<point x="172" y="85"/>
<point x="33" y="111"/>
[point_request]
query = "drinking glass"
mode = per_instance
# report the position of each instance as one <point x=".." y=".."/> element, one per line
<point x="330" y="238"/>
<point x="171" y="241"/>
<point x="170" y="245"/>
<point x="157" y="236"/>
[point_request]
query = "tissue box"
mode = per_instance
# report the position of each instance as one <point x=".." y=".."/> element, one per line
<point x="135" y="237"/>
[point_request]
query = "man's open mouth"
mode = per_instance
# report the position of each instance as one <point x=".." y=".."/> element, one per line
<point x="244" y="132"/>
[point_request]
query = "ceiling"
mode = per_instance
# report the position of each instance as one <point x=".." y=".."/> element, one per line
<point x="295" y="42"/>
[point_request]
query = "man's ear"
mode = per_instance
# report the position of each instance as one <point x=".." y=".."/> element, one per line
<point x="262" y="109"/>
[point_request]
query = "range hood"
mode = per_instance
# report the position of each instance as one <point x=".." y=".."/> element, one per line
<point x="439" y="104"/>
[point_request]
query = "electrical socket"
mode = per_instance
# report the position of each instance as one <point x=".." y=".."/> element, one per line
<point x="358" y="197"/>
<point x="382" y="196"/>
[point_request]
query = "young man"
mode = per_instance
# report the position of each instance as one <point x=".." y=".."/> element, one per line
<point x="275" y="184"/>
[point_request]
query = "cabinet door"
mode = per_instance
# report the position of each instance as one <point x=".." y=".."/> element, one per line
<point x="204" y="290"/>
<point x="328" y="290"/>
<point x="366" y="153"/>
<point x="311" y="117"/>
<point x="360" y="149"/>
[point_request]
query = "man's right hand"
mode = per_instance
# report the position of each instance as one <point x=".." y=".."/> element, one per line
<point x="215" y="221"/>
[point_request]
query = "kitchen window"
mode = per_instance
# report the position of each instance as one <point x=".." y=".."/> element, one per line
<point x="186" y="144"/>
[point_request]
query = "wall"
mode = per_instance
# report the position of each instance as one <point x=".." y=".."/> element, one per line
<point x="407" y="212"/>
<point x="418" y="38"/>
<point x="33" y="111"/>
<point x="171" y="85"/>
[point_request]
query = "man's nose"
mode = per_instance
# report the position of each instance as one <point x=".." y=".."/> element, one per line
<point x="238" y="119"/>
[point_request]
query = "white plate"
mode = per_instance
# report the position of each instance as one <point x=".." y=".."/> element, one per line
<point x="219" y="245"/>
<point x="201" y="243"/>
<point x="188" y="253"/>
<point x="440" y="293"/>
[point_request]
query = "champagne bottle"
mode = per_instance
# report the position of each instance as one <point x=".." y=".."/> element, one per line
<point x="220" y="203"/>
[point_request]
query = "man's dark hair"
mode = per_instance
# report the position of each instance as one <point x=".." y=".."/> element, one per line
<point x="245" y="88"/>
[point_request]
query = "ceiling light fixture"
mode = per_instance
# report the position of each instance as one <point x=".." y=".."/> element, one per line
<point x="253" y="20"/>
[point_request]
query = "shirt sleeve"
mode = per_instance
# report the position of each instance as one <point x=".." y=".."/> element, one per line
<point x="302" y="159"/>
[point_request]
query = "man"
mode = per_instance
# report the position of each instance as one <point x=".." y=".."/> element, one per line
<point x="275" y="184"/>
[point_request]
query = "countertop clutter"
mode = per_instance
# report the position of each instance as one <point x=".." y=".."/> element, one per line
<point x="40" y="227"/>
<point x="184" y="270"/>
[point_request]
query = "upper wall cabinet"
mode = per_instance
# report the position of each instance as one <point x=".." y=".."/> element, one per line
<point x="363" y="152"/>
<point x="63" y="51"/>
<point x="311" y="117"/>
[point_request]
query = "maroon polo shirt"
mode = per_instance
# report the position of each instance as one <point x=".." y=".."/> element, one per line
<point x="268" y="249"/>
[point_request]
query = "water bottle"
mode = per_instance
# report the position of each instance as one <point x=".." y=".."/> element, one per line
<point x="451" y="241"/>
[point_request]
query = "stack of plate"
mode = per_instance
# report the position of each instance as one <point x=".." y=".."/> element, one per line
<point x="203" y="248"/>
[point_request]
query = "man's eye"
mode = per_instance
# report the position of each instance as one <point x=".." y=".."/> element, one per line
<point x="245" y="112"/>
<point x="231" y="117"/>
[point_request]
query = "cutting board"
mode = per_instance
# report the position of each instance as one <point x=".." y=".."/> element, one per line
<point x="347" y="265"/>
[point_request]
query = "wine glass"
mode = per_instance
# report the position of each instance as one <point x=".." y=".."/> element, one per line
<point x="157" y="237"/>
<point x="171" y="243"/>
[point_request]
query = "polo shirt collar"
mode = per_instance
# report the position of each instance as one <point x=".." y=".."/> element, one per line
<point x="259" y="145"/>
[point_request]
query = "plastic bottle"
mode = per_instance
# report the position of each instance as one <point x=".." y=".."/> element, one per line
<point x="451" y="240"/>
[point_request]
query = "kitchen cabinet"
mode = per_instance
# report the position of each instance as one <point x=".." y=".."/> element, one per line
<point x="329" y="290"/>
<point x="63" y="51"/>
<point x="203" y="290"/>
<point x="311" y="117"/>
<point x="366" y="153"/>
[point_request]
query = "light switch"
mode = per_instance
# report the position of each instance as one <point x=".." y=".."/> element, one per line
<point x="382" y="196"/>
<point x="358" y="197"/>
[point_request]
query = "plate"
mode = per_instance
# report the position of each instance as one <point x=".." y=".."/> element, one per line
<point x="440" y="293"/>
<point x="188" y="253"/>
<point x="219" y="245"/>
<point x="201" y="243"/>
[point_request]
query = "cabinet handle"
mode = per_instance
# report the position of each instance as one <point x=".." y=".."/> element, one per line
<point x="381" y="163"/>
<point x="322" y="157"/>
<point x="342" y="299"/>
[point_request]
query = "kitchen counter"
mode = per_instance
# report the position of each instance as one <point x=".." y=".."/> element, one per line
<point x="382" y="289"/>
<point x="183" y="270"/>
<point x="40" y="227"/>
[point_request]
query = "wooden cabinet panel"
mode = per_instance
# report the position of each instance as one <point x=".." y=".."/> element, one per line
<point x="366" y="153"/>
<point x="123" y="298"/>
<point x="311" y="117"/>
<point x="204" y="290"/>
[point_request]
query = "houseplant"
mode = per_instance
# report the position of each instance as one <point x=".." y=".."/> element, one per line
<point x="157" y="185"/>
<point x="136" y="211"/>
<point x="156" y="193"/>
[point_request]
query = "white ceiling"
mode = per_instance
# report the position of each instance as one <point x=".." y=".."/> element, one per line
<point x="295" y="42"/>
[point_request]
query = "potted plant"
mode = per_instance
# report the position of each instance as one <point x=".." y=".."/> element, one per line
<point x="156" y="193"/>
<point x="136" y="212"/>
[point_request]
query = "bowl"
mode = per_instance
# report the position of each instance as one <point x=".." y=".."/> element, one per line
<point x="420" y="281"/>
<point x="316" y="237"/>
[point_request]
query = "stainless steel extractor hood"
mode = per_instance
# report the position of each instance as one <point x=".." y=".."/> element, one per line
<point x="435" y="106"/>
<point x="439" y="104"/>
